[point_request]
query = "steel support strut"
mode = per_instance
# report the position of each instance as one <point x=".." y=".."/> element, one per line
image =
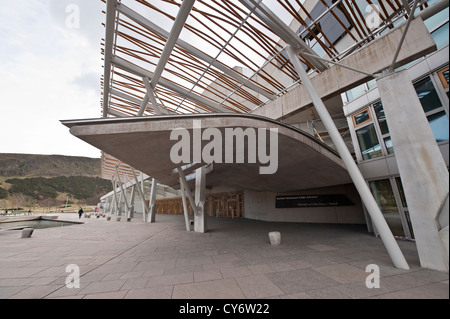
<point x="356" y="176"/>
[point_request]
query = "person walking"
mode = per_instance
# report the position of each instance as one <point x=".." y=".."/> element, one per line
<point x="80" y="212"/>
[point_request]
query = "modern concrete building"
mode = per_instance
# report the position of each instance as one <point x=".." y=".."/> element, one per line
<point x="314" y="111"/>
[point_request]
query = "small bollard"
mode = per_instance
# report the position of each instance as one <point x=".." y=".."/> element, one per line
<point x="118" y="218"/>
<point x="108" y="218"/>
<point x="27" y="232"/>
<point x="275" y="238"/>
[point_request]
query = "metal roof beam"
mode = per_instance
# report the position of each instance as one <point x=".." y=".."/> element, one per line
<point x="116" y="113"/>
<point x="151" y="95"/>
<point x="125" y="96"/>
<point x="183" y="14"/>
<point x="135" y="100"/>
<point x="109" y="43"/>
<point x="136" y="17"/>
<point x="282" y="30"/>
<point x="137" y="70"/>
<point x="342" y="65"/>
<point x="410" y="18"/>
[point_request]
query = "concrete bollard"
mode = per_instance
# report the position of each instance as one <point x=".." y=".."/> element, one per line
<point x="275" y="238"/>
<point x="118" y="218"/>
<point x="27" y="232"/>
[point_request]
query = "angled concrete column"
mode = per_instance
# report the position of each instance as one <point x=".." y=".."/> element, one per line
<point x="119" y="206"/>
<point x="367" y="198"/>
<point x="140" y="188"/>
<point x="141" y="192"/>
<point x="131" y="207"/>
<point x="112" y="205"/>
<point x="115" y="204"/>
<point x="106" y="205"/>
<point x="422" y="169"/>
<point x="185" y="209"/>
<point x="200" y="199"/>
<point x="185" y="190"/>
<point x="123" y="196"/>
<point x="152" y="204"/>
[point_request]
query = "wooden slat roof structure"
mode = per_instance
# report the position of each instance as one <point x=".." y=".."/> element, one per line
<point x="208" y="56"/>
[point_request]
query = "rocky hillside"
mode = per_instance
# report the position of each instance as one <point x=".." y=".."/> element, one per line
<point x="28" y="180"/>
<point x="29" y="165"/>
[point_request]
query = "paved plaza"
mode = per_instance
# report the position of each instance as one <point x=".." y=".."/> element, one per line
<point x="233" y="260"/>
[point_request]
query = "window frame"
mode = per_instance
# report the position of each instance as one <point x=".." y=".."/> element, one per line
<point x="440" y="74"/>
<point x="366" y="109"/>
<point x="380" y="136"/>
<point x="440" y="90"/>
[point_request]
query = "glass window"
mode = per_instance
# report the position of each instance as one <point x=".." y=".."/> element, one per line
<point x="427" y="95"/>
<point x="355" y="92"/>
<point x="389" y="146"/>
<point x="436" y="19"/>
<point x="384" y="196"/>
<point x="379" y="111"/>
<point x="372" y="84"/>
<point x="398" y="181"/>
<point x="361" y="117"/>
<point x="408" y="220"/>
<point x="440" y="36"/>
<point x="368" y="142"/>
<point x="439" y="126"/>
<point x="317" y="47"/>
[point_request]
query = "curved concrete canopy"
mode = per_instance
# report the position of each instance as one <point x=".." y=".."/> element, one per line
<point x="144" y="143"/>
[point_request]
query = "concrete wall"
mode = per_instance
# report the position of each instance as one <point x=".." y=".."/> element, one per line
<point x="372" y="58"/>
<point x="261" y="206"/>
<point x="387" y="166"/>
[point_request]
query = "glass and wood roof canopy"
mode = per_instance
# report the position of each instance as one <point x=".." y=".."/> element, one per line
<point x="207" y="56"/>
<point x="167" y="56"/>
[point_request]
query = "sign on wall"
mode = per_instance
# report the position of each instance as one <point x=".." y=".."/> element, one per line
<point x="292" y="201"/>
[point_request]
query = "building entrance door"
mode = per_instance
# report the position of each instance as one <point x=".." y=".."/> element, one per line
<point x="389" y="195"/>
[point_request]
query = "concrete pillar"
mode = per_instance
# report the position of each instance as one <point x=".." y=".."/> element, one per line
<point x="119" y="206"/>
<point x="200" y="199"/>
<point x="132" y="197"/>
<point x="358" y="180"/>
<point x="422" y="169"/>
<point x="152" y="204"/>
<point x="115" y="202"/>
<point x="185" y="209"/>
<point x="140" y="188"/>
<point x="141" y="192"/>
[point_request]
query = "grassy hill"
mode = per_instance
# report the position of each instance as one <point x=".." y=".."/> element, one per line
<point x="36" y="181"/>
<point x="30" y="165"/>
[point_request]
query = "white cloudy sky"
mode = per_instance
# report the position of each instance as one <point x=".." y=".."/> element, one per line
<point x="48" y="72"/>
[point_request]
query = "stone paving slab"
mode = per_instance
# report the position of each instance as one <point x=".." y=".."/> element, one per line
<point x="233" y="260"/>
